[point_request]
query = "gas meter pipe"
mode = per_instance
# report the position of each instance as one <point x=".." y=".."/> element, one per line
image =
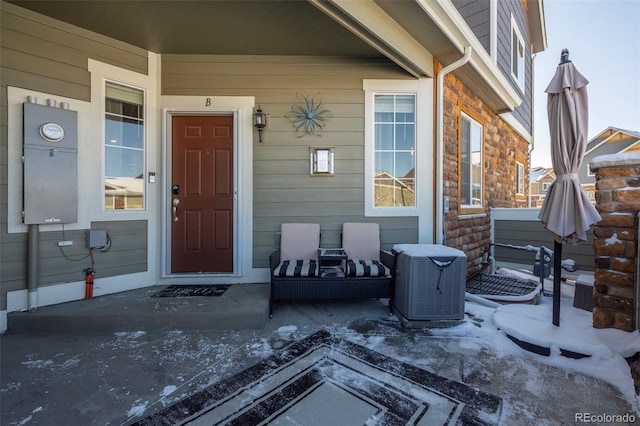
<point x="33" y="261"/>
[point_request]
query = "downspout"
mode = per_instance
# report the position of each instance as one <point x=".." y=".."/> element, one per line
<point x="440" y="142"/>
<point x="533" y="127"/>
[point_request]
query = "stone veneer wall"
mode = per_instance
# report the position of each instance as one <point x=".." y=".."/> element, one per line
<point x="503" y="146"/>
<point x="616" y="240"/>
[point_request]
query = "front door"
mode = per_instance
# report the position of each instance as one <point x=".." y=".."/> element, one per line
<point x="202" y="194"/>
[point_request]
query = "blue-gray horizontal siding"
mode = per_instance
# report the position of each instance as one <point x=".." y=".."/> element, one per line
<point x="476" y="14"/>
<point x="46" y="55"/>
<point x="56" y="265"/>
<point x="506" y="9"/>
<point x="283" y="191"/>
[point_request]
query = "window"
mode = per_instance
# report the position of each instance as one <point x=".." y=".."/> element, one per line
<point x="517" y="55"/>
<point x="471" y="141"/>
<point x="124" y="148"/>
<point x="394" y="150"/>
<point x="398" y="148"/>
<point x="519" y="178"/>
<point x="545" y="186"/>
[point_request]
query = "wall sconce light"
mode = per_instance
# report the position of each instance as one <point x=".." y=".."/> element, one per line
<point x="259" y="122"/>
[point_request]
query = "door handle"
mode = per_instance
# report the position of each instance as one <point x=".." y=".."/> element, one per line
<point x="174" y="209"/>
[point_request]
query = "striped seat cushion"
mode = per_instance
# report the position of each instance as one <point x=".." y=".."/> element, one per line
<point x="366" y="268"/>
<point x="297" y="268"/>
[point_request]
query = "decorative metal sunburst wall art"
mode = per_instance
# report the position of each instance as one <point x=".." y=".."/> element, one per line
<point x="307" y="116"/>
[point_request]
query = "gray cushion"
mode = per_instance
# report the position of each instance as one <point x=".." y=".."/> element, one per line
<point x="299" y="241"/>
<point x="361" y="240"/>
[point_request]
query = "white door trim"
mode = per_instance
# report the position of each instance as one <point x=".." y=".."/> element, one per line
<point x="242" y="110"/>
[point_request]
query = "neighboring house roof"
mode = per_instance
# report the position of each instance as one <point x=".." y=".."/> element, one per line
<point x="123" y="186"/>
<point x="535" y="174"/>
<point x="613" y="140"/>
<point x="539" y="173"/>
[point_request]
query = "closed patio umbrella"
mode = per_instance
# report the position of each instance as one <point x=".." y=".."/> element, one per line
<point x="567" y="212"/>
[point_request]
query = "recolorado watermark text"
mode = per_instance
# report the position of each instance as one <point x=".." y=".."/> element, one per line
<point x="604" y="418"/>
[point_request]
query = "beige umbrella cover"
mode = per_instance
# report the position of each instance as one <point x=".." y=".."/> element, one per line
<point x="567" y="212"/>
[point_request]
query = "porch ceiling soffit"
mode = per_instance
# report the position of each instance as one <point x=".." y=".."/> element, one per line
<point x="221" y="27"/>
<point x="439" y="28"/>
<point x="410" y="33"/>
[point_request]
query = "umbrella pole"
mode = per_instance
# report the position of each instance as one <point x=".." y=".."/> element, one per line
<point x="557" y="264"/>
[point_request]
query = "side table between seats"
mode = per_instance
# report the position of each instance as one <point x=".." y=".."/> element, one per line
<point x="330" y="261"/>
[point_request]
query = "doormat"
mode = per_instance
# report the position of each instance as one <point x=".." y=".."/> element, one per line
<point x="322" y="379"/>
<point x="192" y="290"/>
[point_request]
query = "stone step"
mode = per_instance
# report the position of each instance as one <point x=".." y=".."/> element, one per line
<point x="241" y="307"/>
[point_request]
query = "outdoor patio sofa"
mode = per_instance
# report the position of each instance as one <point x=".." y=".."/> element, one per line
<point x="297" y="270"/>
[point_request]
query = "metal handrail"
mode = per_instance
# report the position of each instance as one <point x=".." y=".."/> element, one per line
<point x="542" y="250"/>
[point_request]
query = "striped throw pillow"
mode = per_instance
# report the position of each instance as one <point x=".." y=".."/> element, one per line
<point x="296" y="268"/>
<point x="366" y="268"/>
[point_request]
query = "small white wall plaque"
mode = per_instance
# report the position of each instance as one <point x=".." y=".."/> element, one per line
<point x="321" y="161"/>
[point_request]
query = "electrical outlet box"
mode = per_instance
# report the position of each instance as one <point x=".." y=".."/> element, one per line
<point x="96" y="238"/>
<point x="65" y="243"/>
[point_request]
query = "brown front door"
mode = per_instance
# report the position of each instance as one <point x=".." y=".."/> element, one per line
<point x="202" y="194"/>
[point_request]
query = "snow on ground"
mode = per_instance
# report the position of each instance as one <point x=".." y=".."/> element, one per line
<point x="447" y="351"/>
<point x="607" y="348"/>
<point x="487" y="327"/>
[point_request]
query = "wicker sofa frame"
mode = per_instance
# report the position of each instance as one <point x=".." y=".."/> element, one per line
<point x="331" y="287"/>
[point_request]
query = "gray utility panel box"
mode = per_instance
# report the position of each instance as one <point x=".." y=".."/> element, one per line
<point x="430" y="282"/>
<point x="96" y="238"/>
<point x="50" y="169"/>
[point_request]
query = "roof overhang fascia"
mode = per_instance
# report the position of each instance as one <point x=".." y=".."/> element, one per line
<point x="632" y="148"/>
<point x="410" y="33"/>
<point x="504" y="97"/>
<point x="537" y="26"/>
<point x="369" y="22"/>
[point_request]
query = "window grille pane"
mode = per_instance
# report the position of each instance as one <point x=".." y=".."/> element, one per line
<point x="384" y="164"/>
<point x="514" y="53"/>
<point x="384" y="108"/>
<point x="404" y="164"/>
<point x="405" y="108"/>
<point x="394" y="150"/>
<point x="124" y="153"/>
<point x="470" y="163"/>
<point x="405" y="137"/>
<point x="520" y="178"/>
<point x="384" y="137"/>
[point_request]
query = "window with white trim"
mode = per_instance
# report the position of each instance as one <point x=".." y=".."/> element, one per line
<point x="519" y="178"/>
<point x="124" y="147"/>
<point x="517" y="54"/>
<point x="394" y="150"/>
<point x="471" y="145"/>
<point x="398" y="117"/>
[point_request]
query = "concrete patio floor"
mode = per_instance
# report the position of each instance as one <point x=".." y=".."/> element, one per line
<point x="123" y="357"/>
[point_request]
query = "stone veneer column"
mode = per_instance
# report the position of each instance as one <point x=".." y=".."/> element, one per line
<point x="616" y="240"/>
